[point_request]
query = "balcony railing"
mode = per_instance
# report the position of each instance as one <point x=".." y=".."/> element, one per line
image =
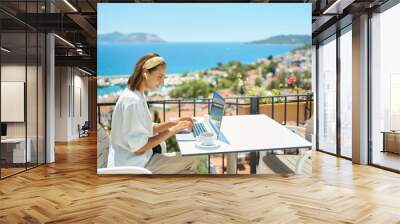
<point x="286" y="109"/>
<point x="296" y="108"/>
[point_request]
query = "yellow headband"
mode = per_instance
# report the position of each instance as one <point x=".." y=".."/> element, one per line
<point x="153" y="62"/>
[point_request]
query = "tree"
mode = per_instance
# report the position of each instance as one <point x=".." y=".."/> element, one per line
<point x="282" y="78"/>
<point x="192" y="89"/>
<point x="242" y="90"/>
<point x="274" y="84"/>
<point x="235" y="87"/>
<point x="224" y="83"/>
<point x="270" y="68"/>
<point x="258" y="82"/>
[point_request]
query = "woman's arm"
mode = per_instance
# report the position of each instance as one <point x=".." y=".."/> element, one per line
<point x="156" y="140"/>
<point x="161" y="127"/>
<point x="158" y="128"/>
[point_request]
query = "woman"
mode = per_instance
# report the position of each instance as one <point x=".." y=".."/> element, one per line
<point x="133" y="135"/>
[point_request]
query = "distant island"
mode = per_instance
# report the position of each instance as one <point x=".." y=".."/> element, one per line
<point x="285" y="39"/>
<point x="118" y="37"/>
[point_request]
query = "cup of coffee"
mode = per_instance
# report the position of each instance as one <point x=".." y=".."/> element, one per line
<point x="207" y="138"/>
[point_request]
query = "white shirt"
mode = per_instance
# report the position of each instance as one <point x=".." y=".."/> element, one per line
<point x="131" y="128"/>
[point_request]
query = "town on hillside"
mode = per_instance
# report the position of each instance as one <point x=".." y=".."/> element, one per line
<point x="284" y="74"/>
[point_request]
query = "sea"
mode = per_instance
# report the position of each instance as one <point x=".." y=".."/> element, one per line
<point x="115" y="60"/>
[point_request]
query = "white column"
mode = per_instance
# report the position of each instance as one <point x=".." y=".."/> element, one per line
<point x="50" y="101"/>
<point x="360" y="90"/>
<point x="50" y="92"/>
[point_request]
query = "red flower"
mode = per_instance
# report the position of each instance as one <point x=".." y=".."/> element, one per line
<point x="291" y="80"/>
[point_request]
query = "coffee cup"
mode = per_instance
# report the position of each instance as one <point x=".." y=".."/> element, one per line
<point x="207" y="138"/>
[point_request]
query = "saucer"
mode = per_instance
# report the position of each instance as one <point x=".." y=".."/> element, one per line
<point x="199" y="145"/>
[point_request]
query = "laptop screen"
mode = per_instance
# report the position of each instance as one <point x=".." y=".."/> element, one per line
<point x="217" y="110"/>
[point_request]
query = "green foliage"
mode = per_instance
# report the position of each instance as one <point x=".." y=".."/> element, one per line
<point x="157" y="118"/>
<point x="274" y="84"/>
<point x="270" y="68"/>
<point x="282" y="78"/>
<point x="234" y="63"/>
<point x="276" y="92"/>
<point x="306" y="81"/>
<point x="224" y="83"/>
<point x="107" y="126"/>
<point x="233" y="76"/>
<point x="235" y="87"/>
<point x="307" y="75"/>
<point x="256" y="91"/>
<point x="242" y="90"/>
<point x="192" y="89"/>
<point x="306" y="85"/>
<point x="172" y="144"/>
<point x="202" y="166"/>
<point x="258" y="82"/>
<point x="202" y="75"/>
<point x="296" y="89"/>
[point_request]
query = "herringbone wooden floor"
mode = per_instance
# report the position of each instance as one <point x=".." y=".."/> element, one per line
<point x="70" y="191"/>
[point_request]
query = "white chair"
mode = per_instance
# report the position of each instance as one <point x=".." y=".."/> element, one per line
<point x="111" y="169"/>
<point x="103" y="141"/>
<point x="123" y="170"/>
<point x="302" y="153"/>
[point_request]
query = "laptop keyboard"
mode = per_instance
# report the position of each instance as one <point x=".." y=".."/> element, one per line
<point x="198" y="128"/>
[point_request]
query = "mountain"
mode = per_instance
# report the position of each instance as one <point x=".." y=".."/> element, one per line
<point x="285" y="39"/>
<point x="118" y="37"/>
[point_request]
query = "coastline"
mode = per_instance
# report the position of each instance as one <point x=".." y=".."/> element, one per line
<point x="289" y="62"/>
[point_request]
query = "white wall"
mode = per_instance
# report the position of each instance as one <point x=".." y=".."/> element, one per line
<point x="33" y="127"/>
<point x="61" y="103"/>
<point x="71" y="93"/>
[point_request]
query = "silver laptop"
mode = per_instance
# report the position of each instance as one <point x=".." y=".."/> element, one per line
<point x="212" y="125"/>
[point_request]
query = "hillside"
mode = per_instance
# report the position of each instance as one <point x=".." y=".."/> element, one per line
<point x="285" y="39"/>
<point x="117" y="37"/>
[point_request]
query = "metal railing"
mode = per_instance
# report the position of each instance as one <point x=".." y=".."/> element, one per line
<point x="240" y="105"/>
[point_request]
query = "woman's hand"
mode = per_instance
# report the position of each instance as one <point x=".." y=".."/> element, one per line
<point x="175" y="122"/>
<point x="182" y="125"/>
<point x="158" y="128"/>
<point x="186" y="119"/>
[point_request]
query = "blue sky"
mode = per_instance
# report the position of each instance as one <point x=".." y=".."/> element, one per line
<point x="212" y="22"/>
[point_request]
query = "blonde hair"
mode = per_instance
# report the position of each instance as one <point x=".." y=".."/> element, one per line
<point x="137" y="77"/>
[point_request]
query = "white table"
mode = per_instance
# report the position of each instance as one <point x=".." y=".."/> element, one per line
<point x="249" y="133"/>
